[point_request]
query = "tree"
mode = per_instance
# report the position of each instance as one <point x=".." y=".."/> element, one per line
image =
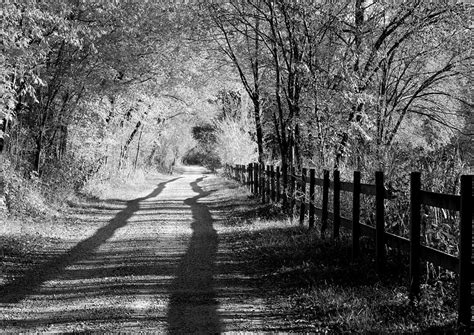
<point x="242" y="45"/>
<point x="391" y="71"/>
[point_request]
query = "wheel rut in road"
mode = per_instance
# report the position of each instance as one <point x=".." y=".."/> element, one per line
<point x="154" y="263"/>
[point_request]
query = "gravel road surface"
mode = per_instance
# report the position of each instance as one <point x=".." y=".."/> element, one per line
<point x="151" y="260"/>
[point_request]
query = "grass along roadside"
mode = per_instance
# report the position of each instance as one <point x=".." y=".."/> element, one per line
<point x="314" y="280"/>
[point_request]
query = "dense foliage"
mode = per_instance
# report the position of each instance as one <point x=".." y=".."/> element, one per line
<point x="351" y="83"/>
<point x="99" y="89"/>
<point x="91" y="90"/>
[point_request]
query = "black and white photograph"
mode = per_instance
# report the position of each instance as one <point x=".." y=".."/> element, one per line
<point x="236" y="167"/>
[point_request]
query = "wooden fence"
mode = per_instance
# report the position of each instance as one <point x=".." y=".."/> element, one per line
<point x="266" y="182"/>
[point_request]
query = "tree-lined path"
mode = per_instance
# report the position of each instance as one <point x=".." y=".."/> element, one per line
<point x="155" y="263"/>
<point x="102" y="101"/>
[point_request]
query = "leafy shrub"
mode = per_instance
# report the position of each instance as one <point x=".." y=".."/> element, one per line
<point x="234" y="144"/>
<point x="23" y="196"/>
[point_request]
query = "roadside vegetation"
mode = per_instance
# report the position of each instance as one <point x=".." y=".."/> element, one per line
<point x="315" y="282"/>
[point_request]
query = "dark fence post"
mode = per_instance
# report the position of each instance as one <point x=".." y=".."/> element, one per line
<point x="285" y="188"/>
<point x="324" y="214"/>
<point x="465" y="256"/>
<point x="262" y="181"/>
<point x="356" y="216"/>
<point x="379" y="222"/>
<point x="272" y="173"/>
<point x="291" y="199"/>
<point x="293" y="189"/>
<point x="258" y="179"/>
<point x="303" y="200"/>
<point x="255" y="178"/>
<point x="312" y="185"/>
<point x="278" y="188"/>
<point x="265" y="183"/>
<point x="247" y="176"/>
<point x="264" y="186"/>
<point x="336" y="204"/>
<point x="415" y="222"/>
<point x="269" y="190"/>
<point x="250" y="178"/>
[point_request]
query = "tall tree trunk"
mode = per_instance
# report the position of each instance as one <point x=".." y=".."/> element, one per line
<point x="253" y="50"/>
<point x="359" y="11"/>
<point x="3" y="130"/>
<point x="63" y="134"/>
<point x="124" y="151"/>
<point x="38" y="152"/>
<point x="138" y="149"/>
<point x="256" y="91"/>
<point x="297" y="161"/>
<point x="258" y="127"/>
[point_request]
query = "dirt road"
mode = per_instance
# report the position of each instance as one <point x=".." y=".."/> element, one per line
<point x="153" y="263"/>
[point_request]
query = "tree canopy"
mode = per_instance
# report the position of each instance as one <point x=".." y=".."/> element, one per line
<point x="104" y="86"/>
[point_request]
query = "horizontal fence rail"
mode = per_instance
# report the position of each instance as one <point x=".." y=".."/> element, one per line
<point x="272" y="184"/>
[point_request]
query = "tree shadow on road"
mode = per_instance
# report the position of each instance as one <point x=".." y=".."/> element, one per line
<point x="25" y="285"/>
<point x="193" y="302"/>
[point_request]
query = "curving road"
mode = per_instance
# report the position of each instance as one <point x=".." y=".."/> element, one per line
<point x="156" y="263"/>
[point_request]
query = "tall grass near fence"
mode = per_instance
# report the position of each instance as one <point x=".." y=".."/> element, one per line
<point x="300" y="193"/>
